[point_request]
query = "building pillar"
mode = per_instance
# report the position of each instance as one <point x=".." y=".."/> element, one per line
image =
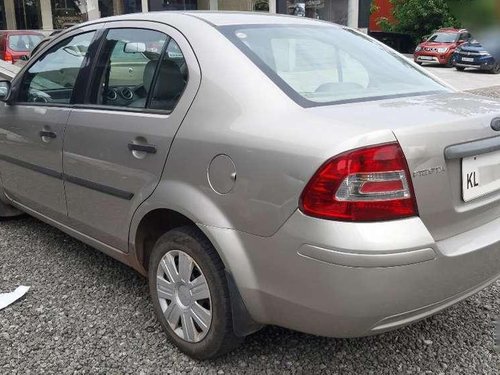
<point x="46" y="11"/>
<point x="10" y="14"/>
<point x="117" y="7"/>
<point x="214" y="4"/>
<point x="144" y="6"/>
<point x="92" y="10"/>
<point x="272" y="6"/>
<point x="353" y="13"/>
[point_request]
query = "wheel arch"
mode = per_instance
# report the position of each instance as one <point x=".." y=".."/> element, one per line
<point x="157" y="221"/>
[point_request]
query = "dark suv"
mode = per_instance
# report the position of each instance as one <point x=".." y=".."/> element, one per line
<point x="473" y="55"/>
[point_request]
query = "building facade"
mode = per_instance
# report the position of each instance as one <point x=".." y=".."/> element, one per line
<point x="56" y="14"/>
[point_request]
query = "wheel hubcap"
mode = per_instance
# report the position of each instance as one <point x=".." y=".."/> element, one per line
<point x="184" y="296"/>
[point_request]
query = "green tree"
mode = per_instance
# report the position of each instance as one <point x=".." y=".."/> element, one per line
<point x="419" y="17"/>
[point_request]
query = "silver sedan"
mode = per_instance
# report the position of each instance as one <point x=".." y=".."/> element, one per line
<point x="259" y="170"/>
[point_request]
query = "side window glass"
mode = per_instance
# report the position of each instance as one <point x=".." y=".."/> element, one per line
<point x="171" y="79"/>
<point x="126" y="67"/>
<point x="52" y="77"/>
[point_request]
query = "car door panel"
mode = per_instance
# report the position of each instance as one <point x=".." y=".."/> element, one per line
<point x="31" y="167"/>
<point x="106" y="180"/>
<point x="33" y="127"/>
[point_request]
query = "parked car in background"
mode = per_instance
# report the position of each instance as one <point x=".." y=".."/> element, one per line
<point x="16" y="44"/>
<point x="24" y="59"/>
<point x="473" y="55"/>
<point x="440" y="46"/>
<point x="310" y="179"/>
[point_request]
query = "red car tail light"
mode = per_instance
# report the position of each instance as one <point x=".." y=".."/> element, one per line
<point x="366" y="184"/>
<point x="8" y="56"/>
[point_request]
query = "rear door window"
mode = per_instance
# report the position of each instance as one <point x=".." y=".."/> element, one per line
<point x="138" y="69"/>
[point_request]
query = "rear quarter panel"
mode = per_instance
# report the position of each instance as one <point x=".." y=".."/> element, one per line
<point x="275" y="145"/>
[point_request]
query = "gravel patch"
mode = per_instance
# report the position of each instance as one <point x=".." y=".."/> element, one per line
<point x="492" y="92"/>
<point x="87" y="313"/>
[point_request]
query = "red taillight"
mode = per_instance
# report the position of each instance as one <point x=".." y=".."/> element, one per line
<point x="8" y="57"/>
<point x="367" y="184"/>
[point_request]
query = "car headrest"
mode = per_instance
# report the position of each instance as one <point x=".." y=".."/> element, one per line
<point x="149" y="73"/>
<point x="170" y="81"/>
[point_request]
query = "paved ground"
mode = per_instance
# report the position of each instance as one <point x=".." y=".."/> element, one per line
<point x="7" y="70"/>
<point x="468" y="80"/>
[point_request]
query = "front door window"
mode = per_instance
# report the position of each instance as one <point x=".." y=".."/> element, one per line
<point x="52" y="78"/>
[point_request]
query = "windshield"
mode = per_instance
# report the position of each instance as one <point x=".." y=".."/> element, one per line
<point x="24" y="42"/>
<point x="443" y="38"/>
<point x="327" y="64"/>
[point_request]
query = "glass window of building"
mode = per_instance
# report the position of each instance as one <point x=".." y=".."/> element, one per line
<point x="3" y="22"/>
<point x="159" y="5"/>
<point x="28" y="16"/>
<point x="326" y="10"/>
<point x="244" y="5"/>
<point x="116" y="7"/>
<point x="66" y="13"/>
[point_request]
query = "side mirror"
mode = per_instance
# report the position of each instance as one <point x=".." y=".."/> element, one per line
<point x="4" y="90"/>
<point x="134" y="48"/>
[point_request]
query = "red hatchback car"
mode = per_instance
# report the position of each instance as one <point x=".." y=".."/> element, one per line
<point x="16" y="44"/>
<point x="441" y="46"/>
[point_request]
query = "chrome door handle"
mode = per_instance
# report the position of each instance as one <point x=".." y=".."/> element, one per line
<point x="47" y="134"/>
<point x="150" y="149"/>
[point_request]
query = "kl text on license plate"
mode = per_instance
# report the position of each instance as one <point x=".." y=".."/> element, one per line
<point x="480" y="175"/>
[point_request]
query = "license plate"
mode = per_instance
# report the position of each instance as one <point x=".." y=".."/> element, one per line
<point x="480" y="175"/>
<point x="467" y="59"/>
<point x="426" y="58"/>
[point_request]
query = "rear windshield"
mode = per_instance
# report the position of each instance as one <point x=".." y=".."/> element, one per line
<point x="443" y="38"/>
<point x="24" y="42"/>
<point x="318" y="65"/>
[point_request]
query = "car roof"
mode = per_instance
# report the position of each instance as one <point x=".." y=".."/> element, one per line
<point x="248" y="18"/>
<point x="216" y="18"/>
<point x="450" y="30"/>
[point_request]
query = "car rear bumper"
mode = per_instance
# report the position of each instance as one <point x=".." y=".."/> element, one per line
<point x="484" y="66"/>
<point x="345" y="280"/>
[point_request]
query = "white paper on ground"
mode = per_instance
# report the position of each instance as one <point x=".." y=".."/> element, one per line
<point x="7" y="299"/>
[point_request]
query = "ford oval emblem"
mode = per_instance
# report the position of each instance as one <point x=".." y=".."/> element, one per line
<point x="495" y="124"/>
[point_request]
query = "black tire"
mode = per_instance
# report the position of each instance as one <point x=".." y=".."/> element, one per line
<point x="460" y="68"/>
<point x="449" y="64"/>
<point x="220" y="338"/>
<point x="496" y="69"/>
